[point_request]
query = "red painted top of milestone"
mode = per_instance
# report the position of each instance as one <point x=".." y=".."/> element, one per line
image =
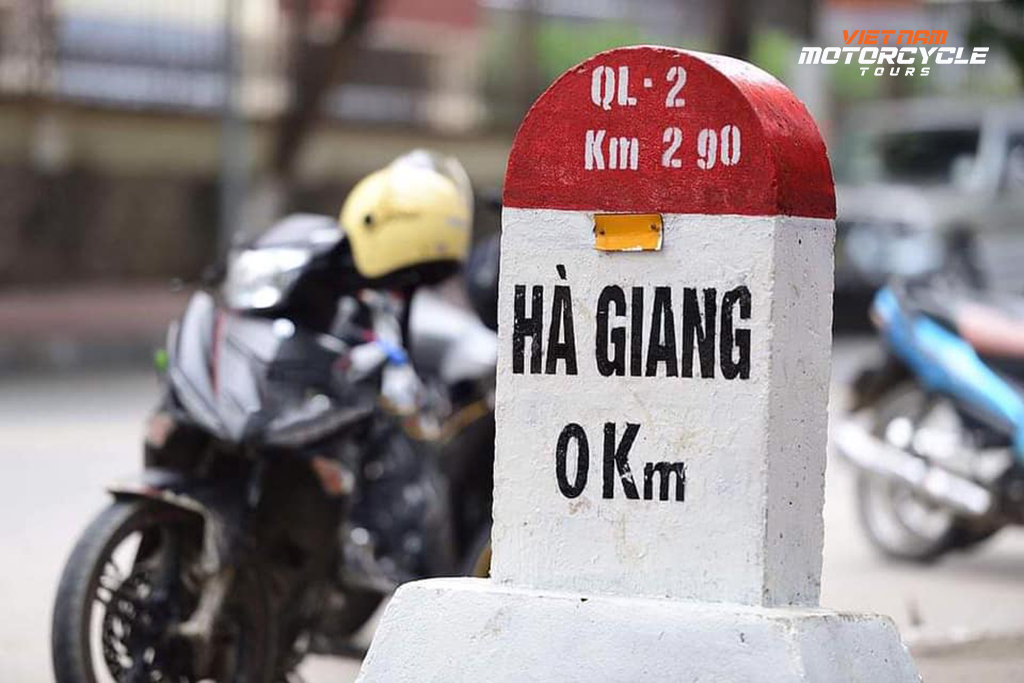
<point x="662" y="130"/>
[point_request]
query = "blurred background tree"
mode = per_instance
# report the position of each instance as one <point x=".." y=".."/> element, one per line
<point x="999" y="26"/>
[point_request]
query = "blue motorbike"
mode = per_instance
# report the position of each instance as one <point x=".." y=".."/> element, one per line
<point x="936" y="431"/>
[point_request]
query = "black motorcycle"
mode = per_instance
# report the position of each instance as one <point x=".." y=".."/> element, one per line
<point x="301" y="464"/>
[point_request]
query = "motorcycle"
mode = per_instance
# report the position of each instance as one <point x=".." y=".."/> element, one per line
<point x="303" y="462"/>
<point x="936" y="431"/>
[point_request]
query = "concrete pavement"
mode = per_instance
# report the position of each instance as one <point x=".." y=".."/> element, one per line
<point x="62" y="436"/>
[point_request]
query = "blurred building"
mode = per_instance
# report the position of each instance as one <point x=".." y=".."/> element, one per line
<point x="111" y="118"/>
<point x="113" y="112"/>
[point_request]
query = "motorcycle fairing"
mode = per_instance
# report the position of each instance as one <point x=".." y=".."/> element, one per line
<point x="948" y="364"/>
<point x="247" y="378"/>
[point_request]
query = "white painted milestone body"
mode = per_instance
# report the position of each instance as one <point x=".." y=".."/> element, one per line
<point x="679" y="369"/>
<point x="661" y="408"/>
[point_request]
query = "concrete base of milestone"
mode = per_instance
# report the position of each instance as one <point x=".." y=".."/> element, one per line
<point x="476" y="630"/>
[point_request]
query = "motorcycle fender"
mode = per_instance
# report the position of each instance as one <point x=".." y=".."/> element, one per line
<point x="220" y="530"/>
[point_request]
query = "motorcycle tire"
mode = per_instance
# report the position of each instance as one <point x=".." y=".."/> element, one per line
<point x="477" y="558"/>
<point x="360" y="606"/>
<point x="888" y="532"/>
<point x="80" y="596"/>
<point x="967" y="536"/>
<point x="879" y="501"/>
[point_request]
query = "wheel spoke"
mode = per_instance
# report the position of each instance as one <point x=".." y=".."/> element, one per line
<point x="144" y="585"/>
<point x="138" y="596"/>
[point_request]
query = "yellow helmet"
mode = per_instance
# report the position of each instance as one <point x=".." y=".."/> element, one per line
<point x="415" y="211"/>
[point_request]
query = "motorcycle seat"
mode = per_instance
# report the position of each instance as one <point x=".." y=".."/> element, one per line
<point x="993" y="328"/>
<point x="991" y="322"/>
<point x="449" y="342"/>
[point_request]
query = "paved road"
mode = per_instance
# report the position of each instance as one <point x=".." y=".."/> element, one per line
<point x="62" y="437"/>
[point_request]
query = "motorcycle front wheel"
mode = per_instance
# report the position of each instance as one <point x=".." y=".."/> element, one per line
<point x="130" y="580"/>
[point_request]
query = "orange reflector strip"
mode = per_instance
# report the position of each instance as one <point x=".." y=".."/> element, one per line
<point x="627" y="232"/>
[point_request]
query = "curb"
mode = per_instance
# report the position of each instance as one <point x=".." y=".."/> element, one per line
<point x="960" y="642"/>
